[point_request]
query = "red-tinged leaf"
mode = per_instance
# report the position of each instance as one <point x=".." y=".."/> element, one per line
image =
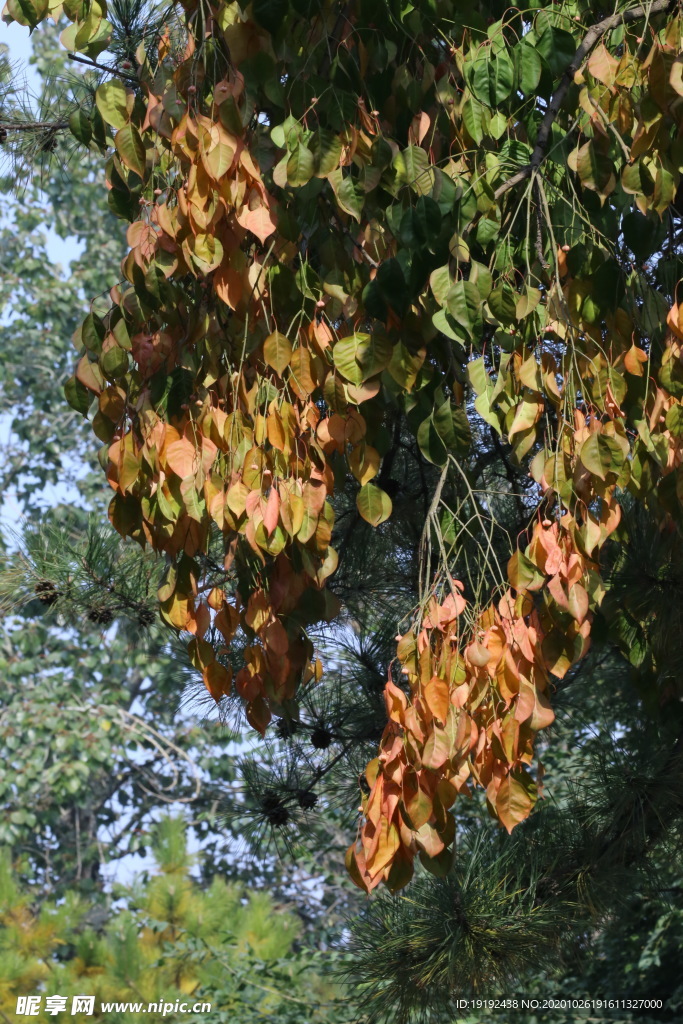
<point x="429" y="840"/>
<point x="90" y="375"/>
<point x="437" y="749"/>
<point x="602" y="65"/>
<point x="300" y="372"/>
<point x="217" y="680"/>
<point x="200" y="621"/>
<point x="533" y="706"/>
<point x="182" y="458"/>
<point x="275" y="637"/>
<point x="418" y="803"/>
<point x="271" y="514"/>
<point x="227" y="620"/>
<point x="248" y="684"/>
<point x="229" y="285"/>
<point x="437" y="697"/>
<point x="255" y="215"/>
<point x="478" y="655"/>
<point x="577" y="604"/>
<point x="259" y="715"/>
<point x="515" y="798"/>
<point x="253" y="501"/>
<point x="355" y="865"/>
<point x="634" y="361"/>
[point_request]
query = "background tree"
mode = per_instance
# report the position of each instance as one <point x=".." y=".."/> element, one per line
<point x="167" y="941"/>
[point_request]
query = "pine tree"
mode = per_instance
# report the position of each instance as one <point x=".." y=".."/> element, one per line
<point x="163" y="940"/>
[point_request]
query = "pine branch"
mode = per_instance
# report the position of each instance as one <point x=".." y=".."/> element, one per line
<point x="104" y="67"/>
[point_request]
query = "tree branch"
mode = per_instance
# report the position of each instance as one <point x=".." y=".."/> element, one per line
<point x="104" y="67"/>
<point x="593" y="36"/>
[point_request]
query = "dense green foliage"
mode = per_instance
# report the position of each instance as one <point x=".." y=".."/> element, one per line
<point x="165" y="940"/>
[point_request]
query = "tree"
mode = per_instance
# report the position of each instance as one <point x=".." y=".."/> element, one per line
<point x="411" y="270"/>
<point x="167" y="942"/>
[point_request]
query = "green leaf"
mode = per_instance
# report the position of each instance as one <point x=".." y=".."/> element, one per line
<point x="361" y="356"/>
<point x="674" y="420"/>
<point x="326" y="148"/>
<point x="28" y="12"/>
<point x="448" y="325"/>
<point x="392" y="285"/>
<point x="80" y="127"/>
<point x="557" y="48"/>
<point x="92" y="333"/>
<point x="348" y="194"/>
<point x="77" y="395"/>
<point x="114" y="362"/>
<point x="131" y="149"/>
<point x="374" y="504"/>
<point x="300" y="166"/>
<point x="412" y="169"/>
<point x="440" y="283"/>
<point x="112" y="99"/>
<point x="595" y="170"/>
<point x="464" y="305"/>
<point x="476" y="118"/>
<point x="431" y="443"/>
<point x="601" y="454"/>
<point x="528" y="68"/>
<point x="503" y="304"/>
<point x="491" y="77"/>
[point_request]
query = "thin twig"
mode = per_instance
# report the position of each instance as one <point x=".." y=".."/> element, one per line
<point x="103" y="67"/>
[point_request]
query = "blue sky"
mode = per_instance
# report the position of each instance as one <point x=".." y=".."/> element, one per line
<point x="18" y="39"/>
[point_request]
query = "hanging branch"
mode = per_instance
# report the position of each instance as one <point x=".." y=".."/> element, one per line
<point x="590" y="39"/>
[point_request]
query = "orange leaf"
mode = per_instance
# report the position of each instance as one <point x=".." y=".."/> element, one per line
<point x="255" y="215"/>
<point x="228" y="284"/>
<point x="217" y="679"/>
<point x="182" y="458"/>
<point x="437" y="698"/>
<point x="634" y="359"/>
<point x="533" y="706"/>
<point x="300" y="367"/>
<point x="272" y="510"/>
<point x="515" y="798"/>
<point x="277" y="351"/>
<point x="258" y="715"/>
<point x="275" y="637"/>
<point x="437" y="749"/>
